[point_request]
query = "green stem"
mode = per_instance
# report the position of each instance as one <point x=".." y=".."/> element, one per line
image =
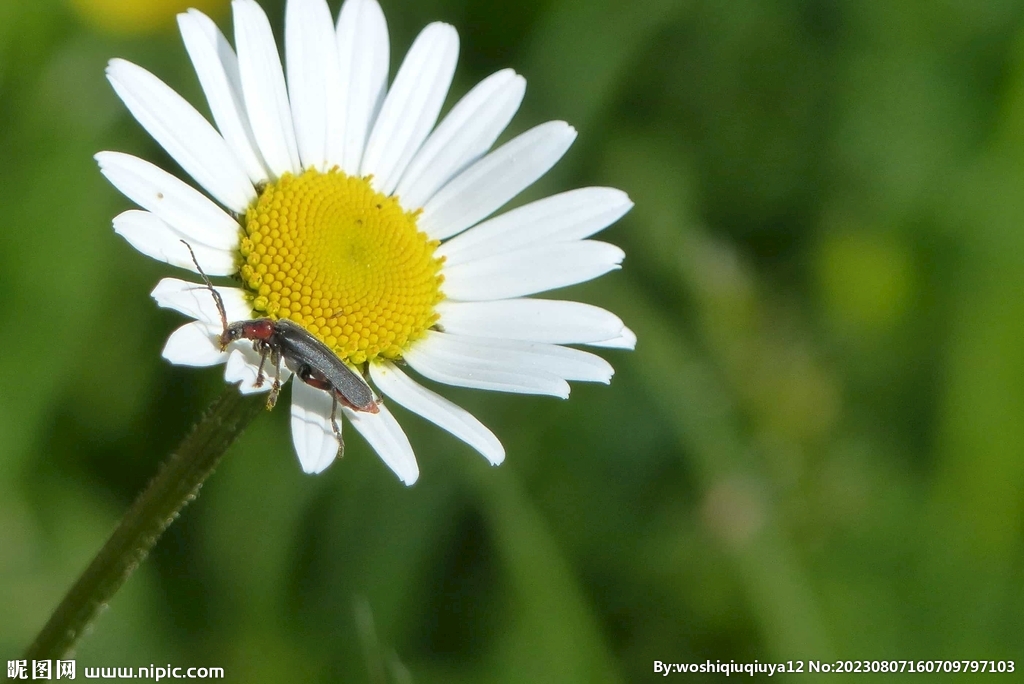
<point x="176" y="484"/>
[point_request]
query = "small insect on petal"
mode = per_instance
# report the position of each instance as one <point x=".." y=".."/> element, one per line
<point x="284" y="341"/>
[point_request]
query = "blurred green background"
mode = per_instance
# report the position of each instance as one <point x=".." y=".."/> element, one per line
<point x="815" y="452"/>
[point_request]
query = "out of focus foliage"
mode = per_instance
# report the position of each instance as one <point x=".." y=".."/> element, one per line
<point x="816" y="451"/>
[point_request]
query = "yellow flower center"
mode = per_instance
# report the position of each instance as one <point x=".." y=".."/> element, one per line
<point x="347" y="263"/>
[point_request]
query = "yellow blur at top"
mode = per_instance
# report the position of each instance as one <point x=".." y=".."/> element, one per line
<point x="132" y="17"/>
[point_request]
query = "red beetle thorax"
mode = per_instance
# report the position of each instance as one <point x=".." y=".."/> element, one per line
<point x="260" y="329"/>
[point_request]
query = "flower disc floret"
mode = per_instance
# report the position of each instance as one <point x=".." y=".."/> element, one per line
<point x="344" y="261"/>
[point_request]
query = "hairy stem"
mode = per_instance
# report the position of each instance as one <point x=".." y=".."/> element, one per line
<point x="174" y="486"/>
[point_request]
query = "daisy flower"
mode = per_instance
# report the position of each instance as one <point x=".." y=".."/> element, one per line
<point x="335" y="201"/>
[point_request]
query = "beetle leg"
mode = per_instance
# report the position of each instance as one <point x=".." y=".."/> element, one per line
<point x="263" y="350"/>
<point x="276" y="389"/>
<point x="334" y="424"/>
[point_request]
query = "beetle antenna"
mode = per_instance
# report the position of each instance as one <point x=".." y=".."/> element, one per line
<point x="209" y="286"/>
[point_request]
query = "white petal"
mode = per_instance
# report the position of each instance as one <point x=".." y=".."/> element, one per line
<point x="387" y="438"/>
<point x="411" y="106"/>
<point x="518" y="356"/>
<point x="435" y="358"/>
<point x="194" y="300"/>
<point x="266" y="99"/>
<point x="533" y="320"/>
<point x="242" y="369"/>
<point x="625" y="340"/>
<point x="487" y="185"/>
<point x="240" y="372"/>
<point x="531" y="270"/>
<point x="183" y="207"/>
<point x="565" y="217"/>
<point x="438" y="410"/>
<point x="183" y="132"/>
<point x="466" y="133"/>
<point x="194" y="344"/>
<point x="155" y="238"/>
<point x="313" y="77"/>
<point x="217" y="68"/>
<point x="312" y="434"/>
<point x="364" y="55"/>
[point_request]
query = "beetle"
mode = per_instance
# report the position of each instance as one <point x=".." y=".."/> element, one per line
<point x="312" y="360"/>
